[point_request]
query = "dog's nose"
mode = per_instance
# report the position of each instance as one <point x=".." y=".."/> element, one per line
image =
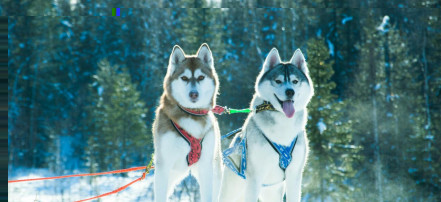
<point x="194" y="94"/>
<point x="289" y="93"/>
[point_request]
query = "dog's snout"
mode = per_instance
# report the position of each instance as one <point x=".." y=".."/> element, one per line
<point x="194" y="94"/>
<point x="289" y="93"/>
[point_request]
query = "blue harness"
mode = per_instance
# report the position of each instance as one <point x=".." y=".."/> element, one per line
<point x="285" y="153"/>
<point x="240" y="144"/>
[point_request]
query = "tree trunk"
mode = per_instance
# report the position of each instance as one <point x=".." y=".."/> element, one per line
<point x="428" y="125"/>
<point x="378" y="177"/>
<point x="285" y="52"/>
<point x="32" y="134"/>
<point x="256" y="36"/>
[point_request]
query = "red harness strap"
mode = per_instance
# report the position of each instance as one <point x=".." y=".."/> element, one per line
<point x="195" y="144"/>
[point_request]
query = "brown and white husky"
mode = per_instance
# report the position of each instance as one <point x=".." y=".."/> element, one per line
<point x="186" y="133"/>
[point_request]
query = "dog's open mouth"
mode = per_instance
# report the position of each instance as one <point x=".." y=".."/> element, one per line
<point x="287" y="106"/>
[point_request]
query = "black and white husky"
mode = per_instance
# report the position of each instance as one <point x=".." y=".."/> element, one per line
<point x="273" y="136"/>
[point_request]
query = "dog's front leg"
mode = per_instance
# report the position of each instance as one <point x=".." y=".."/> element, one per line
<point x="166" y="155"/>
<point x="161" y="178"/>
<point x="294" y="171"/>
<point x="205" y="178"/>
<point x="204" y="170"/>
<point x="217" y="174"/>
<point x="252" y="190"/>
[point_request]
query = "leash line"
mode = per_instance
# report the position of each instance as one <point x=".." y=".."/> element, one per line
<point x="219" y="110"/>
<point x="265" y="106"/>
<point x="235" y="111"/>
<point x="116" y="190"/>
<point x="147" y="170"/>
<point x="81" y="175"/>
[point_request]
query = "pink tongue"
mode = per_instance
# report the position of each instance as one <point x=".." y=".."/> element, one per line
<point x="288" y="108"/>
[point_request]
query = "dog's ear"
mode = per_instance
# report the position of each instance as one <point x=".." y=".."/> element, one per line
<point x="299" y="61"/>
<point x="272" y="59"/>
<point x="176" y="57"/>
<point x="204" y="53"/>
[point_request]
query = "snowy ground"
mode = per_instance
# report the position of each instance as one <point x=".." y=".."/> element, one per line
<point x="72" y="189"/>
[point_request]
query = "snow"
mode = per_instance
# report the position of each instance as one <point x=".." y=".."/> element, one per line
<point x="346" y="19"/>
<point x="72" y="189"/>
<point x="331" y="47"/>
<point x="347" y="146"/>
<point x="378" y="86"/>
<point x="318" y="33"/>
<point x="321" y="126"/>
<point x="383" y="25"/>
<point x="66" y="23"/>
<point x="427" y="126"/>
<point x="412" y="170"/>
<point x="274" y="27"/>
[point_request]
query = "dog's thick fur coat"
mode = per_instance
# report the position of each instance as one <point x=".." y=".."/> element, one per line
<point x="288" y="87"/>
<point x="191" y="82"/>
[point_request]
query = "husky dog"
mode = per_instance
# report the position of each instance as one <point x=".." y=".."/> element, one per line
<point x="186" y="133"/>
<point x="273" y="135"/>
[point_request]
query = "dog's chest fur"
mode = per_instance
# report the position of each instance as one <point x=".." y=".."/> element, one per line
<point x="277" y="127"/>
<point x="196" y="126"/>
<point x="199" y="128"/>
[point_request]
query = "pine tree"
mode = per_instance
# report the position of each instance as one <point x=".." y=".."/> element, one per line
<point x="332" y="150"/>
<point x="240" y="63"/>
<point x="402" y="118"/>
<point x="434" y="84"/>
<point x="367" y="106"/>
<point x="424" y="156"/>
<point x="120" y="137"/>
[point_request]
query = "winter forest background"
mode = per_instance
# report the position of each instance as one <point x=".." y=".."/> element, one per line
<point x="83" y="88"/>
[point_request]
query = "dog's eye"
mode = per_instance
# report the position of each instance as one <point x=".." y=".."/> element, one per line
<point x="278" y="81"/>
<point x="184" y="78"/>
<point x="200" y="78"/>
<point x="295" y="82"/>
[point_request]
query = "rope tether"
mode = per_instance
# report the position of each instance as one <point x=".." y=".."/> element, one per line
<point x="147" y="171"/>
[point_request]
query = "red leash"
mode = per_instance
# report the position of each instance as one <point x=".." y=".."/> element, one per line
<point x="80" y="175"/>
<point x="114" y="191"/>
<point x="147" y="170"/>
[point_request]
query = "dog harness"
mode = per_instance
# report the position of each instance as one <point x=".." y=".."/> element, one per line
<point x="195" y="144"/>
<point x="241" y="143"/>
<point x="196" y="112"/>
<point x="285" y="152"/>
<point x="265" y="106"/>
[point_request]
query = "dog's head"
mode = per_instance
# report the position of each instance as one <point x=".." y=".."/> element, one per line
<point x="286" y="85"/>
<point x="192" y="81"/>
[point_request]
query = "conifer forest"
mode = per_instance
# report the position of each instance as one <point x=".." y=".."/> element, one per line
<point x="83" y="87"/>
